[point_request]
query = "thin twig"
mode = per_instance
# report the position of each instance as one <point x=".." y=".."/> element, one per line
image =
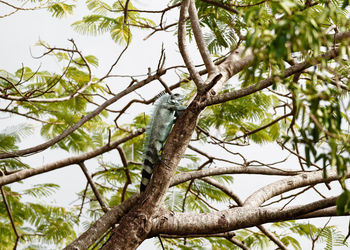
<point x="83" y="199"/>
<point x="93" y="187"/>
<point x="13" y="224"/>
<point x="126" y="170"/>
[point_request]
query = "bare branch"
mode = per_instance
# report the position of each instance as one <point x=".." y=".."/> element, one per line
<point x="93" y="187"/>
<point x="221" y="5"/>
<point x="238" y="243"/>
<point x="331" y="54"/>
<point x="26" y="116"/>
<point x="120" y="55"/>
<point x="273" y="237"/>
<point x="284" y="185"/>
<point x="248" y="5"/>
<point x="262" y="127"/>
<point x="22" y="8"/>
<point x="298" y="156"/>
<point x="23" y="174"/>
<point x="127" y="173"/>
<point x="83" y="199"/>
<point x="223" y="188"/>
<point x="232" y="219"/>
<point x="147" y="11"/>
<point x="197" y="32"/>
<point x="292" y="196"/>
<point x="229" y="192"/>
<point x="183" y="47"/>
<point x="183" y="177"/>
<point x="27" y="97"/>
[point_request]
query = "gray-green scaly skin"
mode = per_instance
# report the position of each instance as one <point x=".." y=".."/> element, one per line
<point x="168" y="108"/>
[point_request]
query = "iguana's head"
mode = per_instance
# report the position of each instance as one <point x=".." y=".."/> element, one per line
<point x="176" y="99"/>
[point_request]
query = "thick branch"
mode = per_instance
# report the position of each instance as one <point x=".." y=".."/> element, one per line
<point x="233" y="64"/>
<point x="267" y="215"/>
<point x="231" y="219"/>
<point x="325" y="212"/>
<point x="102" y="225"/>
<point x="197" y="32"/>
<point x="229" y="192"/>
<point x="284" y="185"/>
<point x="333" y="53"/>
<point x="225" y="235"/>
<point x="183" y="46"/>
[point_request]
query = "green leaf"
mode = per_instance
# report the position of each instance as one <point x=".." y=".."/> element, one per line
<point x="41" y="190"/>
<point x="345" y="4"/>
<point x="60" y="9"/>
<point x="343" y="203"/>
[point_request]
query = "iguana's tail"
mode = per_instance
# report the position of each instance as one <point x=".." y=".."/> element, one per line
<point x="147" y="171"/>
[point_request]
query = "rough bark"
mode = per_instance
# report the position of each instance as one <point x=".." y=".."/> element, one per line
<point x="232" y="219"/>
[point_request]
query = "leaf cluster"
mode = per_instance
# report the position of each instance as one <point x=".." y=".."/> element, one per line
<point x="35" y="223"/>
<point x="112" y="19"/>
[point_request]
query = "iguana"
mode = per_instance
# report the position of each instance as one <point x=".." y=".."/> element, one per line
<point x="167" y="109"/>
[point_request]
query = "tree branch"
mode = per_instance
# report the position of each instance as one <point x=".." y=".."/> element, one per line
<point x="186" y="176"/>
<point x="197" y="32"/>
<point x="284" y="185"/>
<point x="23" y="174"/>
<point x="221" y="5"/>
<point x="231" y="219"/>
<point x="13" y="224"/>
<point x="243" y="217"/>
<point x="183" y="47"/>
<point x="106" y="221"/>
<point x="233" y="64"/>
<point x="86" y="118"/>
<point x="223" y="188"/>
<point x="262" y="127"/>
<point x="229" y="192"/>
<point x="93" y="187"/>
<point x="331" y="54"/>
<point x="127" y="173"/>
<point x="272" y="237"/>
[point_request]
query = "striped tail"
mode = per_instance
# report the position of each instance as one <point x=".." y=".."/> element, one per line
<point x="147" y="171"/>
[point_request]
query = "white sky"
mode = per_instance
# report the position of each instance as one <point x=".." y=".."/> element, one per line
<point x="21" y="31"/>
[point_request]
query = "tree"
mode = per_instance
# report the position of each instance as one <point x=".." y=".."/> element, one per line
<point x="267" y="72"/>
